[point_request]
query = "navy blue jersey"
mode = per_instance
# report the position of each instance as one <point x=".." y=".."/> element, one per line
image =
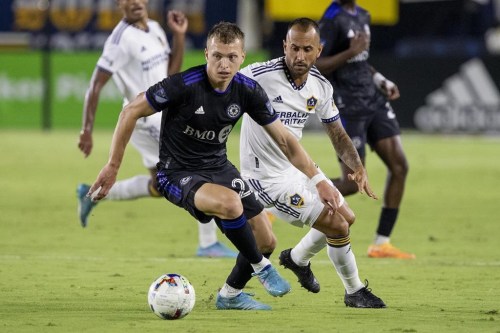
<point x="197" y="119"/>
<point x="354" y="90"/>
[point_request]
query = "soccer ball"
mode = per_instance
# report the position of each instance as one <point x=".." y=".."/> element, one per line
<point x="171" y="296"/>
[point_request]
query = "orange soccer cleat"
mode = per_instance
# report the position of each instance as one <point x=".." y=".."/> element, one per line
<point x="387" y="250"/>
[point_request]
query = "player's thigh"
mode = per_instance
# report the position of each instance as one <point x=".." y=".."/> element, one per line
<point x="382" y="125"/>
<point x="385" y="139"/>
<point x="218" y="200"/>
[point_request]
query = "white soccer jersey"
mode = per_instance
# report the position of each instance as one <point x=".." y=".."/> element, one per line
<point x="260" y="157"/>
<point x="137" y="59"/>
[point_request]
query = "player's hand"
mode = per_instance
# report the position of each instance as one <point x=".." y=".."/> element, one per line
<point x="103" y="183"/>
<point x="390" y="90"/>
<point x="177" y="22"/>
<point x="361" y="178"/>
<point x="329" y="196"/>
<point x="359" y="43"/>
<point x="85" y="144"/>
<point x="387" y="87"/>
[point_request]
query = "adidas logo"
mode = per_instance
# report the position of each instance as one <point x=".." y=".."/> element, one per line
<point x="468" y="101"/>
<point x="200" y="110"/>
<point x="278" y="99"/>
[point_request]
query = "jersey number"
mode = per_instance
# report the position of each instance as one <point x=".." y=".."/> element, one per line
<point x="240" y="185"/>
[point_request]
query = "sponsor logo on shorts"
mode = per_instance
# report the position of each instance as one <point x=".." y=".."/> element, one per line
<point x="185" y="180"/>
<point x="357" y="142"/>
<point x="296" y="200"/>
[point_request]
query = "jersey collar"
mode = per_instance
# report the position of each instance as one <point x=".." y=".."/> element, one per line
<point x="289" y="76"/>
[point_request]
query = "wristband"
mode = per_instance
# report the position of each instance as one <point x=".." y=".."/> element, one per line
<point x="378" y="79"/>
<point x="318" y="178"/>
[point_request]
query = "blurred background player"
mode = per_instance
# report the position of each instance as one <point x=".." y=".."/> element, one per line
<point x="362" y="96"/>
<point x="297" y="90"/>
<point x="137" y="55"/>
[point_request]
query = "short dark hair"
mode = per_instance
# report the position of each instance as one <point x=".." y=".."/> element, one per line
<point x="304" y="23"/>
<point x="226" y="32"/>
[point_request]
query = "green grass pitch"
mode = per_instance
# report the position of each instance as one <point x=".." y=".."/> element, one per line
<point x="57" y="277"/>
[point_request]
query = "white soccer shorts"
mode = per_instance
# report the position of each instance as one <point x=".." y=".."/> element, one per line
<point x="146" y="139"/>
<point x="295" y="200"/>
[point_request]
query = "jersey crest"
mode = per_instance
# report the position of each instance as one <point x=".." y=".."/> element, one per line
<point x="311" y="103"/>
<point x="233" y="110"/>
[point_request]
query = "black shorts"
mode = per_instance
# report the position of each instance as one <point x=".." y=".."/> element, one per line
<point x="370" y="128"/>
<point x="179" y="187"/>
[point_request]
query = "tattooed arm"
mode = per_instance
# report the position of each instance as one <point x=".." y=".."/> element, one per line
<point x="349" y="155"/>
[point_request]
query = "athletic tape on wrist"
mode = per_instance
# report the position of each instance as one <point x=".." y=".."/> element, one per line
<point x="378" y="79"/>
<point x="318" y="178"/>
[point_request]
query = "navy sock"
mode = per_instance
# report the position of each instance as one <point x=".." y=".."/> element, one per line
<point x="242" y="272"/>
<point x="387" y="221"/>
<point x="239" y="232"/>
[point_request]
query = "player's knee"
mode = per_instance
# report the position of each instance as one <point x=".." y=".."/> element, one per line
<point x="230" y="205"/>
<point x="400" y="169"/>
<point x="338" y="229"/>
<point x="267" y="245"/>
<point x="333" y="225"/>
<point x="350" y="218"/>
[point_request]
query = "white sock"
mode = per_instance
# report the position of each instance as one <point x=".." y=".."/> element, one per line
<point x="207" y="234"/>
<point x="313" y="242"/>
<point x="379" y="239"/>
<point x="261" y="265"/>
<point x="229" y="292"/>
<point x="131" y="188"/>
<point x="345" y="264"/>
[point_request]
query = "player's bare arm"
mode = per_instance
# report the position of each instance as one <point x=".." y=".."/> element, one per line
<point x="299" y="158"/>
<point x="97" y="82"/>
<point x="348" y="154"/>
<point x="138" y="108"/>
<point x="178" y="24"/>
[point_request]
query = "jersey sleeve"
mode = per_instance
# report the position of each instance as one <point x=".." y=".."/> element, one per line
<point x="260" y="108"/>
<point x="165" y="93"/>
<point x="326" y="110"/>
<point x="114" y="56"/>
<point x="247" y="71"/>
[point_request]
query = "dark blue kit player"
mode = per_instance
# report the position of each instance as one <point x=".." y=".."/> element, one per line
<point x="362" y="96"/>
<point x="200" y="107"/>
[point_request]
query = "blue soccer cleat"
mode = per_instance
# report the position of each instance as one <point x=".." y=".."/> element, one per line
<point x="272" y="281"/>
<point x="85" y="204"/>
<point x="241" y="302"/>
<point x="216" y="250"/>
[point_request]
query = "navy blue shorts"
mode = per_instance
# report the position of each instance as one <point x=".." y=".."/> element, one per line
<point x="179" y="187"/>
<point x="378" y="125"/>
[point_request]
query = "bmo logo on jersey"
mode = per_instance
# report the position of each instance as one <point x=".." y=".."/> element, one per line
<point x="209" y="135"/>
